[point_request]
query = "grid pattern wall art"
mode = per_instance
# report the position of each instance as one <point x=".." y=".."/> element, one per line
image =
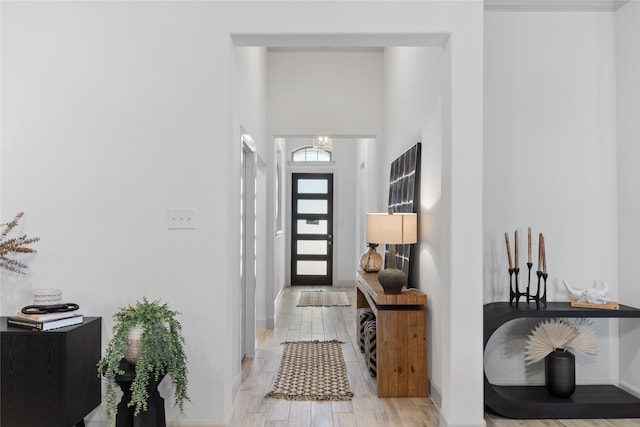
<point x="404" y="194"/>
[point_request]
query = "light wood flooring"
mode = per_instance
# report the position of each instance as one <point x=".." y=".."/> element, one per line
<point x="366" y="409"/>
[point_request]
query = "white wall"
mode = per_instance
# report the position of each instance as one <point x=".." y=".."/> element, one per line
<point x="346" y="253"/>
<point x="118" y="119"/>
<point x="366" y="189"/>
<point x="325" y="93"/>
<point x="113" y="112"/>
<point x="550" y="163"/>
<point x="415" y="97"/>
<point x="628" y="113"/>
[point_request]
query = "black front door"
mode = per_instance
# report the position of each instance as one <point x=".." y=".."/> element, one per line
<point x="312" y="229"/>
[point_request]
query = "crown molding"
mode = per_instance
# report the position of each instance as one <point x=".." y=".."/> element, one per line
<point x="617" y="4"/>
<point x="553" y="5"/>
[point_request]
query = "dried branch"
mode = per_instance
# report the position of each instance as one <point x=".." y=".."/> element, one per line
<point x="13" y="246"/>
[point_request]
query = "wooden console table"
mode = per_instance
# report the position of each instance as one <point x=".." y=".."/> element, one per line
<point x="50" y="378"/>
<point x="401" y="337"/>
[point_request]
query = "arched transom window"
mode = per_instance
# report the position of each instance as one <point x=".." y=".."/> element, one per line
<point x="311" y="154"/>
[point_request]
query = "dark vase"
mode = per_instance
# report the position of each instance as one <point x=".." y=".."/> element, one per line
<point x="392" y="280"/>
<point x="560" y="373"/>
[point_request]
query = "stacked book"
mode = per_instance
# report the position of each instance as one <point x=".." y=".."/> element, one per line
<point x="44" y="322"/>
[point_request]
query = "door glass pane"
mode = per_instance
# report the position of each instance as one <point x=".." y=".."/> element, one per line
<point x="312" y="186"/>
<point x="312" y="226"/>
<point x="312" y="206"/>
<point x="312" y="247"/>
<point x="312" y="268"/>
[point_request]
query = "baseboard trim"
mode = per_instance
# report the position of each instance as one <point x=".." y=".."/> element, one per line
<point x="445" y="423"/>
<point x="279" y="295"/>
<point x="194" y="424"/>
<point x="345" y="283"/>
<point x="551" y="5"/>
<point x="435" y="395"/>
<point x="236" y="385"/>
<point x="264" y="323"/>
<point x="170" y="423"/>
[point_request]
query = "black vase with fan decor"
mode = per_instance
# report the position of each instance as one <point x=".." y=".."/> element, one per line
<point x="560" y="373"/>
<point x="550" y="341"/>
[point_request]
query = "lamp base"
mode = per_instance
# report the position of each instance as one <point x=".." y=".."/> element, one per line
<point x="392" y="280"/>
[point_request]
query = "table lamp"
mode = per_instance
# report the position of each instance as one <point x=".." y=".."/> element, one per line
<point x="392" y="229"/>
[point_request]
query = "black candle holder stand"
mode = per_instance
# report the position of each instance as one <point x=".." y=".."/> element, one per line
<point x="540" y="297"/>
<point x="514" y="289"/>
<point x="543" y="297"/>
<point x="529" y="265"/>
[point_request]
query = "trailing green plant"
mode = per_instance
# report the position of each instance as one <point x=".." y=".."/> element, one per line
<point x="161" y="352"/>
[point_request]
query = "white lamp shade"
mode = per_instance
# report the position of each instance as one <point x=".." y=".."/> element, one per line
<point x="397" y="228"/>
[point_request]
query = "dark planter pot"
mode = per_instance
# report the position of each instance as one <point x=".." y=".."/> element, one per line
<point x="560" y="373"/>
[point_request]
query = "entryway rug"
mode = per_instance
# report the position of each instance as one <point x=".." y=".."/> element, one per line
<point x="322" y="299"/>
<point x="311" y="370"/>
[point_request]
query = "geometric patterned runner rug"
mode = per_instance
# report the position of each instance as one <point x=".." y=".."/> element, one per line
<point x="311" y="370"/>
<point x="322" y="299"/>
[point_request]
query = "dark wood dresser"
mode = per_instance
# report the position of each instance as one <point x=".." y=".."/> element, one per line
<point x="49" y="378"/>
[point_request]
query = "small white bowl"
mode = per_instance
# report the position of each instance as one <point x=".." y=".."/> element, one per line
<point x="47" y="296"/>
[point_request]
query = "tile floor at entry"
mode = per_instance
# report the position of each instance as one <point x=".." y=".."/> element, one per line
<point x="366" y="409"/>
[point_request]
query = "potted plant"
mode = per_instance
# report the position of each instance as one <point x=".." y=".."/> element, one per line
<point x="551" y="340"/>
<point x="160" y="351"/>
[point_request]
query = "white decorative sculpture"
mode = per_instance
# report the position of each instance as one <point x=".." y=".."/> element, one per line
<point x="592" y="295"/>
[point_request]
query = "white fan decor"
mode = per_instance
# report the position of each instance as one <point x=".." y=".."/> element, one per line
<point x="560" y="334"/>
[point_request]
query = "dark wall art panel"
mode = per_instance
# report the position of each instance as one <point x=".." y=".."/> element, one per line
<point x="404" y="195"/>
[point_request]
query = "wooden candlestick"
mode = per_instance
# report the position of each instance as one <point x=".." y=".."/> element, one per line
<point x="544" y="256"/>
<point x="529" y="245"/>
<point x="506" y="239"/>
<point x="540" y="252"/>
<point x="515" y="243"/>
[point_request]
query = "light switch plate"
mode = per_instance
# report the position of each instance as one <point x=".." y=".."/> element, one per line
<point x="181" y="219"/>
